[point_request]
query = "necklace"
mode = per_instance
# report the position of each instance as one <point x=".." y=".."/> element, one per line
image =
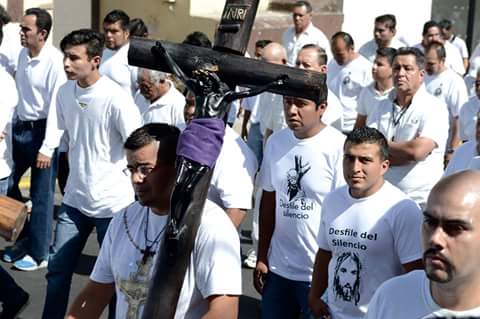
<point x="396" y="119"/>
<point x="148" y="251"/>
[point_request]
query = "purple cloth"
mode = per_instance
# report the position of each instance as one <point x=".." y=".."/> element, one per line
<point x="202" y="140"/>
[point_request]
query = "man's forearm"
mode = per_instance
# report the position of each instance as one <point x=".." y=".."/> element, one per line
<point x="320" y="273"/>
<point x="266" y="224"/>
<point x="236" y="215"/>
<point x="225" y="307"/>
<point x="91" y="301"/>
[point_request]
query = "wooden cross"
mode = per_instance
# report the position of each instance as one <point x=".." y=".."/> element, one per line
<point x="231" y="40"/>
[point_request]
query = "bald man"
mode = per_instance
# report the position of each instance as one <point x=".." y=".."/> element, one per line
<point x="450" y="284"/>
<point x="270" y="104"/>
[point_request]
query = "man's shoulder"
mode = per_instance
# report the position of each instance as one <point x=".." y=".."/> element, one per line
<point x="215" y="223"/>
<point x="398" y="288"/>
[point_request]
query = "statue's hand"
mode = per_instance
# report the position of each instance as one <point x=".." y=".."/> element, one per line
<point x="281" y="79"/>
<point x="159" y="49"/>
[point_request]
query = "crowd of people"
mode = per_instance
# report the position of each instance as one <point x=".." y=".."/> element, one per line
<point x="365" y="202"/>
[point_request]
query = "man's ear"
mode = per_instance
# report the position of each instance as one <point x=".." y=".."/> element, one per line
<point x="323" y="69"/>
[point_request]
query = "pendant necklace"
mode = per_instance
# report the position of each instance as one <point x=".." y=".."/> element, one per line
<point x="148" y="251"/>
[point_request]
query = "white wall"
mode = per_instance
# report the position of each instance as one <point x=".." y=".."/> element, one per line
<point x="359" y="18"/>
<point x="70" y="15"/>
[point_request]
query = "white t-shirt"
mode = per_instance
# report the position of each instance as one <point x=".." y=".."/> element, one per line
<point x="369" y="49"/>
<point x="251" y="104"/>
<point x="426" y="117"/>
<point x="38" y="80"/>
<point x="166" y="109"/>
<point x="301" y="172"/>
<point x="214" y="264"/>
<point x="97" y="120"/>
<point x="370" y="239"/>
<point x="465" y="157"/>
<point x="231" y="185"/>
<point x="273" y="118"/>
<point x="450" y="88"/>
<point x="468" y="118"/>
<point x="370" y="98"/>
<point x="460" y="45"/>
<point x="346" y="82"/>
<point x="409" y="296"/>
<point x="10" y="47"/>
<point x="312" y="35"/>
<point x="8" y="102"/>
<point x="453" y="59"/>
<point x="115" y="65"/>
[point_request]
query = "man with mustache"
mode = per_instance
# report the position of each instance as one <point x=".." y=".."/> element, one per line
<point x="450" y="284"/>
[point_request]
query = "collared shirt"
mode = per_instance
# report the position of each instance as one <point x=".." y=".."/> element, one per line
<point x="115" y="65"/>
<point x="426" y="117"/>
<point x="460" y="44"/>
<point x="167" y="109"/>
<point x="370" y="98"/>
<point x="347" y="81"/>
<point x="293" y="43"/>
<point x="369" y="49"/>
<point x="468" y="118"/>
<point x="10" y="47"/>
<point x="38" y="80"/>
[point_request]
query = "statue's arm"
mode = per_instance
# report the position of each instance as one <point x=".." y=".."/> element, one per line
<point x="162" y="53"/>
<point x="232" y="96"/>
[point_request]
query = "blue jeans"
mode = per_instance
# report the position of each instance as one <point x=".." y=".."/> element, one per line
<point x="255" y="141"/>
<point x="71" y="234"/>
<point x="285" y="298"/>
<point x="27" y="138"/>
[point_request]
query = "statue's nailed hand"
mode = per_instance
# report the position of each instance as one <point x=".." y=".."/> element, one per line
<point x="281" y="79"/>
<point x="159" y="49"/>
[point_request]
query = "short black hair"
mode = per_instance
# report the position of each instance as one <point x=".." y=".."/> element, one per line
<point x="117" y="15"/>
<point x="430" y="24"/>
<point x="445" y="24"/>
<point x="321" y="53"/>
<point x="388" y="53"/>
<point x="305" y="4"/>
<point x="369" y="135"/>
<point x="439" y="49"/>
<point x="43" y="21"/>
<point x="346" y="37"/>
<point x="4" y="16"/>
<point x="93" y="41"/>
<point x="388" y="19"/>
<point x="166" y="134"/>
<point x="419" y="56"/>
<point x="262" y="43"/>
<point x="198" y="39"/>
<point x="138" y="28"/>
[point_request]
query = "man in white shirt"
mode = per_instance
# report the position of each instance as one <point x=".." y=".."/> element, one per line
<point x="449" y="287"/>
<point x="432" y="33"/>
<point x="313" y="57"/>
<point x="35" y="135"/>
<point x="383" y="37"/>
<point x="158" y="100"/>
<point x="347" y="75"/>
<point x="302" y="163"/>
<point x="303" y="32"/>
<point x="115" y="56"/>
<point x="97" y="116"/>
<point x="450" y="36"/>
<point x="467" y="156"/>
<point x="415" y="124"/>
<point x="11" y="46"/>
<point x="468" y="113"/>
<point x="385" y="244"/>
<point x="449" y="87"/>
<point x="212" y="282"/>
<point x="371" y="96"/>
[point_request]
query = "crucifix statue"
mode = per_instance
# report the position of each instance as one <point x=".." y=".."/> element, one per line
<point x="212" y="76"/>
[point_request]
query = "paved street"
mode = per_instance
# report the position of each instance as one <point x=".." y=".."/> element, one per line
<point x="34" y="282"/>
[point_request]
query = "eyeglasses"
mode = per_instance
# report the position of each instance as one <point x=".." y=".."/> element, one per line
<point x="142" y="170"/>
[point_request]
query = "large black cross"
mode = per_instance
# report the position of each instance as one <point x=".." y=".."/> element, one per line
<point x="231" y="40"/>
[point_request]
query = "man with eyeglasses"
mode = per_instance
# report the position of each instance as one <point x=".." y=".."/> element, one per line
<point x="158" y="100"/>
<point x="303" y="32"/>
<point x="97" y="116"/>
